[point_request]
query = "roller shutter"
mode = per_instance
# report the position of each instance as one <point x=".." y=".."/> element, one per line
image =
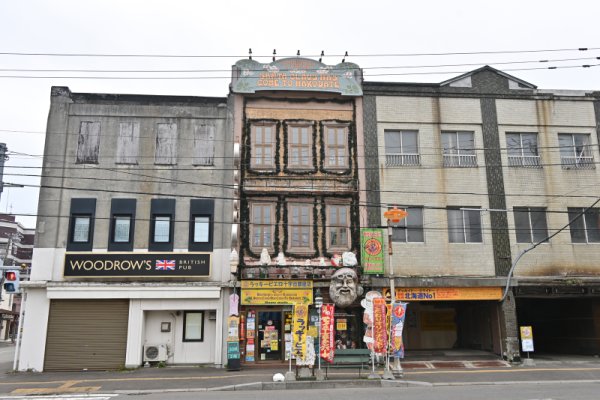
<point x="86" y="334"/>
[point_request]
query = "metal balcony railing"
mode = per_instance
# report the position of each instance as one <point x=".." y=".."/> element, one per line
<point x="460" y="160"/>
<point x="524" y="161"/>
<point x="577" y="162"/>
<point x="399" y="160"/>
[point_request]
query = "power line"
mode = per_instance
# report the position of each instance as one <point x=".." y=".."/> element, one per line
<point x="125" y="55"/>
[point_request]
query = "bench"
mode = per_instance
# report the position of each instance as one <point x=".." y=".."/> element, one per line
<point x="349" y="358"/>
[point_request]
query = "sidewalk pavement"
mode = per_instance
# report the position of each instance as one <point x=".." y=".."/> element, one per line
<point x="174" y="379"/>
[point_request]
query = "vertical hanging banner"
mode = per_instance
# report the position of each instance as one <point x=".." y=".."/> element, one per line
<point x="379" y="326"/>
<point x="372" y="254"/>
<point x="299" y="330"/>
<point x="398" y="316"/>
<point x="327" y="345"/>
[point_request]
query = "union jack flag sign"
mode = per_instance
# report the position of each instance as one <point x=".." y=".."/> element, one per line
<point x="165" y="265"/>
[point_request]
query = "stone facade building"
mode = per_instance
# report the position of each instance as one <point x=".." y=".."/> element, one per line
<point x="131" y="259"/>
<point x="487" y="165"/>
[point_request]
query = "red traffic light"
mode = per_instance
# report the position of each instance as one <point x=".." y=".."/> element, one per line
<point x="10" y="275"/>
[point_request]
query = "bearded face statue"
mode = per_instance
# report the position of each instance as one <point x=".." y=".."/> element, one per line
<point x="344" y="287"/>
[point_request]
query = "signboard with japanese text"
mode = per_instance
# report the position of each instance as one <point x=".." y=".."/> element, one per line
<point x="276" y="297"/>
<point x="279" y="284"/>
<point x="379" y="326"/>
<point x="278" y="292"/>
<point x="446" y="293"/>
<point x="327" y="344"/>
<point x="372" y="251"/>
<point x="299" y="331"/>
<point x="526" y="338"/>
<point x="398" y="317"/>
<point x="297" y="74"/>
<point x="139" y="265"/>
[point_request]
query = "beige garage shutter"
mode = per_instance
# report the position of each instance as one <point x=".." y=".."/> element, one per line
<point x="88" y="334"/>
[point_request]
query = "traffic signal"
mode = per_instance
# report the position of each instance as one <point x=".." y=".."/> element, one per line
<point x="11" y="281"/>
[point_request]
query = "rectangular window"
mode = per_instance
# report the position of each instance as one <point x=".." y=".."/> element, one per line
<point x="575" y="151"/>
<point x="162" y="228"/>
<point x="166" y="144"/>
<point x="121" y="228"/>
<point x="584" y="228"/>
<point x="201" y="224"/>
<point x="193" y="326"/>
<point x="530" y="224"/>
<point x="300" y="146"/>
<point x="464" y="226"/>
<point x="128" y="143"/>
<point x="201" y="229"/>
<point x="338" y="221"/>
<point x="459" y="149"/>
<point x="336" y="146"/>
<point x="204" y="144"/>
<point x="522" y="149"/>
<point x="162" y="225"/>
<point x="263" y="146"/>
<point x="409" y="229"/>
<point x="88" y="144"/>
<point x="81" y="228"/>
<point x="262" y="226"/>
<point x="81" y="224"/>
<point x="401" y="148"/>
<point x="122" y="224"/>
<point x="300" y="226"/>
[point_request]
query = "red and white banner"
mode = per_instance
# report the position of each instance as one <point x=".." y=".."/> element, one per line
<point x="327" y="345"/>
<point x="379" y="326"/>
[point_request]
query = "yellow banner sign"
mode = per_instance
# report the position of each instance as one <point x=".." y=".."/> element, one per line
<point x="277" y="284"/>
<point x="299" y="332"/>
<point x="276" y="296"/>
<point x="446" y="293"/>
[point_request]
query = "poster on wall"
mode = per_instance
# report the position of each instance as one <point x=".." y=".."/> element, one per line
<point x="372" y="251"/>
<point x="327" y="344"/>
<point x="379" y="326"/>
<point x="398" y="317"/>
<point x="299" y="332"/>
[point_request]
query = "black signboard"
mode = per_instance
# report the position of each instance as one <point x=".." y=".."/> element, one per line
<point x="116" y="265"/>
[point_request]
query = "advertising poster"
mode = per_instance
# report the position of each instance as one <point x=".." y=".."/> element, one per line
<point x="526" y="338"/>
<point x="327" y="333"/>
<point x="398" y="317"/>
<point x="299" y="331"/>
<point x="379" y="326"/>
<point x="372" y="254"/>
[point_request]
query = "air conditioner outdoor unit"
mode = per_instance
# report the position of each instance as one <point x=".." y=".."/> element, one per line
<point x="155" y="352"/>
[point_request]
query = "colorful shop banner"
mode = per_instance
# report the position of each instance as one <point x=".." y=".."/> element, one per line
<point x="372" y="251"/>
<point x="379" y="326"/>
<point x="398" y="317"/>
<point x="327" y="344"/>
<point x="300" y="326"/>
<point x="446" y="293"/>
<point x="139" y="265"/>
<point x="276" y="297"/>
<point x="526" y="338"/>
<point x="279" y="284"/>
<point x="250" y="76"/>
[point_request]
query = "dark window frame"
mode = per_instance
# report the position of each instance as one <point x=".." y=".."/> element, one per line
<point x="185" y="317"/>
<point x="404" y="226"/>
<point x="81" y="207"/>
<point x="162" y="208"/>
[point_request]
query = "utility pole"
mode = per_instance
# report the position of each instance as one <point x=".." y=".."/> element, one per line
<point x="3" y="158"/>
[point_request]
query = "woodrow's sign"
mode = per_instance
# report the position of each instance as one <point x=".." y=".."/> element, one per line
<point x="117" y="265"/>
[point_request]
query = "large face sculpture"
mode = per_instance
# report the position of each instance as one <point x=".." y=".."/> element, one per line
<point x="344" y="288"/>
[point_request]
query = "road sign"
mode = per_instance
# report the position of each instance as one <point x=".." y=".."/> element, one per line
<point x="395" y="214"/>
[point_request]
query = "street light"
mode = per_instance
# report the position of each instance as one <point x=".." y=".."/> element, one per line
<point x="318" y="305"/>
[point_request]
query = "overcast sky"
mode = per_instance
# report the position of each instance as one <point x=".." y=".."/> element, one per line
<point x="228" y="28"/>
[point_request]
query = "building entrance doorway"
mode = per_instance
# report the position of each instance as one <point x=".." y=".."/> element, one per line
<point x="269" y="335"/>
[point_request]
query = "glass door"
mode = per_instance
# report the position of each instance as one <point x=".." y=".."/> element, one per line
<point x="269" y="326"/>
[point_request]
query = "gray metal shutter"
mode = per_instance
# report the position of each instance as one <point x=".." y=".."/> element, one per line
<point x="86" y="334"/>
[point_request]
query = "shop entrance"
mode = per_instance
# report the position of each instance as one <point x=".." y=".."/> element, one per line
<point x="269" y="331"/>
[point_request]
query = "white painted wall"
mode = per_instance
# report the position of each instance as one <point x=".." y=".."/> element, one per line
<point x="35" y="326"/>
